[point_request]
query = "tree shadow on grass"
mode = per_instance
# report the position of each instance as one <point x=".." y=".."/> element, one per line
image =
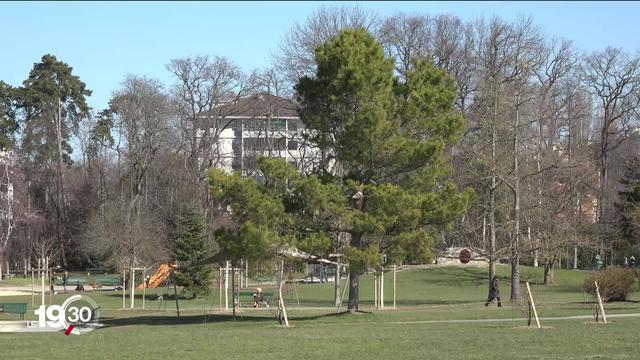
<point x="203" y="319"/>
<point x="460" y="277"/>
<point x="617" y="305"/>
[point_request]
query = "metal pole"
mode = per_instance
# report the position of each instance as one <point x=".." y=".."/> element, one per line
<point x="175" y="293"/>
<point x="575" y="256"/>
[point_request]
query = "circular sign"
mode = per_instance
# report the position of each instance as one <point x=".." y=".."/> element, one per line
<point x="464" y="256"/>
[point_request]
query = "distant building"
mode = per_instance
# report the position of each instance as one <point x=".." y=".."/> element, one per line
<point x="255" y="126"/>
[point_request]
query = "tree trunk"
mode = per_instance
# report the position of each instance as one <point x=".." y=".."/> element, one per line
<point x="60" y="218"/>
<point x="336" y="292"/>
<point x="548" y="271"/>
<point x="492" y="195"/>
<point x="515" y="246"/>
<point x="354" y="298"/>
<point x="492" y="235"/>
<point x="354" y="271"/>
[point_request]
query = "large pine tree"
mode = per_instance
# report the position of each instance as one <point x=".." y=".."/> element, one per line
<point x="191" y="246"/>
<point x="52" y="101"/>
<point x="386" y="140"/>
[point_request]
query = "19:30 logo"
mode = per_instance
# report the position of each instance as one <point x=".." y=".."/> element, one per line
<point x="77" y="313"/>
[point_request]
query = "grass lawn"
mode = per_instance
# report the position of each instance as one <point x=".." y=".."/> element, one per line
<point x="412" y="331"/>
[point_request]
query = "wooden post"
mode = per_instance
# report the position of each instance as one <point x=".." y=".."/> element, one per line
<point x="533" y="305"/>
<point x="600" y="305"/>
<point x="226" y="285"/>
<point x="233" y="292"/>
<point x="394" y="285"/>
<point x="144" y="286"/>
<point x="132" y="288"/>
<point x="124" y="276"/>
<point x="32" y="288"/>
<point x="382" y="287"/>
<point x="344" y="289"/>
<point x="51" y="285"/>
<point x="375" y="290"/>
<point x="246" y="273"/>
<point x="46" y="267"/>
<point x="283" y="310"/>
<point x="239" y="275"/>
<point x="336" y="287"/>
<point x="41" y="281"/>
<point x="220" y="288"/>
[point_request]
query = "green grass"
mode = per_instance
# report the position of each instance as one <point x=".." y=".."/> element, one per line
<point x="423" y="295"/>
<point x="16" y="281"/>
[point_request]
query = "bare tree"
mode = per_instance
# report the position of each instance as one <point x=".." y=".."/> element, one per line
<point x="8" y="213"/>
<point x="141" y="116"/>
<point x="124" y="242"/>
<point x="613" y="78"/>
<point x="444" y="39"/>
<point x="525" y="59"/>
<point x="406" y="38"/>
<point x="297" y="49"/>
<point x="489" y="128"/>
<point x="204" y="96"/>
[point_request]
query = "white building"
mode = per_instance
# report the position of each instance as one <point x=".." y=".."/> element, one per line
<point x="255" y="126"/>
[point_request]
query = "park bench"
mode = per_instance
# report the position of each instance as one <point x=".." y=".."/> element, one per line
<point x="105" y="280"/>
<point x="98" y="270"/>
<point x="73" y="280"/>
<point x="14" y="308"/>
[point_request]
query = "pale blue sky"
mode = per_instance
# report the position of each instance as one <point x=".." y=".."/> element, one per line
<point x="105" y="41"/>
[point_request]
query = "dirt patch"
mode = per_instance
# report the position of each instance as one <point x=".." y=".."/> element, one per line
<point x="13" y="293"/>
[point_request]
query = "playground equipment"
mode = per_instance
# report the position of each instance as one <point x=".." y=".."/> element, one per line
<point x="158" y="278"/>
<point x="170" y="280"/>
<point x="163" y="272"/>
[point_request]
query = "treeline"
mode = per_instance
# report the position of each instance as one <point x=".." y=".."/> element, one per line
<point x="549" y="129"/>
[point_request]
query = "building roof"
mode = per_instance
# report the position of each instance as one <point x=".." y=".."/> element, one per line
<point x="260" y="105"/>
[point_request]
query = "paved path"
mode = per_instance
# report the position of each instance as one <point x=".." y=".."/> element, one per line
<point x="548" y="318"/>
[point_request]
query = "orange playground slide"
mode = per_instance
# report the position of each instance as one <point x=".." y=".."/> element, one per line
<point x="158" y="278"/>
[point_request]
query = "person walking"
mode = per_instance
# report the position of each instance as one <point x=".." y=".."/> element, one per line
<point x="65" y="280"/>
<point x="494" y="292"/>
